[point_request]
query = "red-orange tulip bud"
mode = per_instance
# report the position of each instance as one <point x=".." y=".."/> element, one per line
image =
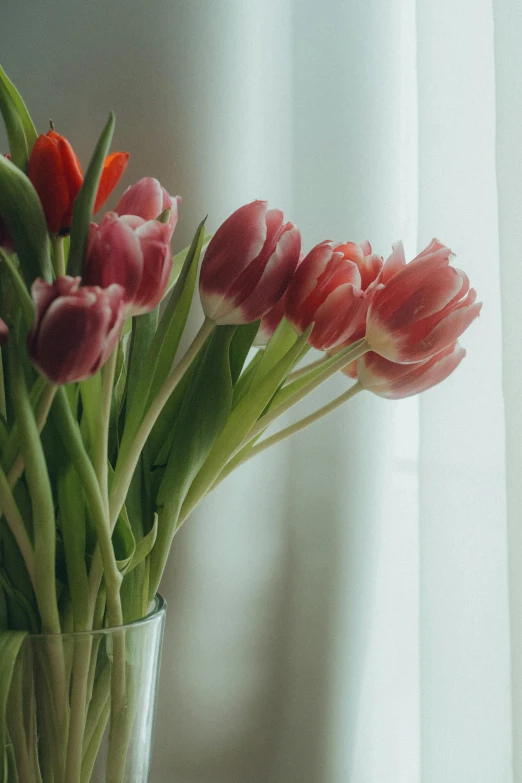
<point x="57" y="177"/>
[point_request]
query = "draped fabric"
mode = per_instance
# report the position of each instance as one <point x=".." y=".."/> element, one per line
<point x="348" y="607"/>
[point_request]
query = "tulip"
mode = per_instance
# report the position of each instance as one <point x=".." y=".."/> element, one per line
<point x="76" y="329"/>
<point x="326" y="290"/>
<point x="57" y="177"/>
<point x="4" y="332"/>
<point x="395" y="381"/>
<point x="395" y="261"/>
<point x="148" y="199"/>
<point x="134" y="253"/>
<point x="422" y="309"/>
<point x="248" y="264"/>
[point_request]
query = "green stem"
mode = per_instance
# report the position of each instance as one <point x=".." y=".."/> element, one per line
<point x="127" y="461"/>
<point x="80" y="676"/>
<point x="287" y="432"/>
<point x="359" y="349"/>
<point x="334" y="365"/>
<point x="41" y="497"/>
<point x="306" y="369"/>
<point x="101" y="440"/>
<point x="41" y="417"/>
<point x="59" y="256"/>
<point x="72" y="441"/>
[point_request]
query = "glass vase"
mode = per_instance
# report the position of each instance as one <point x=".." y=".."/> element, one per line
<point x="81" y="705"/>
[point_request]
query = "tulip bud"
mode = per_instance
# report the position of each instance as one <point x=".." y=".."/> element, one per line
<point x="57" y="177"/>
<point x="4" y="332"/>
<point x="76" y="329"/>
<point x="395" y="381"/>
<point x="326" y="291"/>
<point x="148" y="199"/>
<point x="134" y="253"/>
<point x="248" y="264"/>
<point x="422" y="309"/>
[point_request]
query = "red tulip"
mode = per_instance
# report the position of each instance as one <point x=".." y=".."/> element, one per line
<point x="395" y="381"/>
<point x="148" y="199"/>
<point x="326" y="290"/>
<point x="134" y="253"/>
<point x="57" y="177"/>
<point x="422" y="309"/>
<point x="4" y="332"/>
<point x="76" y="329"/>
<point x="248" y="264"/>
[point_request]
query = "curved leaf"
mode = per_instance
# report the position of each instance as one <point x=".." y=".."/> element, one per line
<point x="84" y="202"/>
<point x="201" y="420"/>
<point x="31" y="133"/>
<point x="23" y="215"/>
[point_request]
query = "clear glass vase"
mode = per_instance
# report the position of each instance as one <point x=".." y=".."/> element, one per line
<point x="81" y="705"/>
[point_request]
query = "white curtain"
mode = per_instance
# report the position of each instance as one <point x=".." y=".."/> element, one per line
<point x="349" y="608"/>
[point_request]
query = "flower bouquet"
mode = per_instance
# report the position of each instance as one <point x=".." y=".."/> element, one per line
<point x="110" y="436"/>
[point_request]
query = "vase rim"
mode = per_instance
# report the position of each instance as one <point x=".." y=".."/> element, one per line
<point x="158" y="610"/>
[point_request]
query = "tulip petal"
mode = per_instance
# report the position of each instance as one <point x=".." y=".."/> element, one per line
<point x="113" y="168"/>
<point x="233" y="247"/>
<point x="275" y="277"/>
<point x="46" y="174"/>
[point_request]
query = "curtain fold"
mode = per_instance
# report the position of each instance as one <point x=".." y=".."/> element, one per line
<point x="339" y="610"/>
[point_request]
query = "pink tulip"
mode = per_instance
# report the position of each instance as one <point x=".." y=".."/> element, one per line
<point x="248" y="264"/>
<point x="4" y="332"/>
<point x="326" y="290"/>
<point x="422" y="309"/>
<point x="134" y="253"/>
<point x="395" y="381"/>
<point x="368" y="263"/>
<point x="76" y="329"/>
<point x="395" y="261"/>
<point x="148" y="199"/>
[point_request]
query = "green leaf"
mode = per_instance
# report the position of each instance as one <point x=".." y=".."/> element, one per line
<point x="160" y="357"/>
<point x="84" y="202"/>
<point x="123" y="541"/>
<point x="280" y="343"/>
<point x="178" y="262"/>
<point x="245" y="379"/>
<point x="203" y="416"/>
<point x="240" y="422"/>
<point x="143" y="547"/>
<point x="143" y="331"/>
<point x="160" y="439"/>
<point x="30" y="131"/>
<point x="14" y="128"/>
<point x="19" y="286"/>
<point x="240" y="346"/>
<point x="22" y="212"/>
<point x="10" y="644"/>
